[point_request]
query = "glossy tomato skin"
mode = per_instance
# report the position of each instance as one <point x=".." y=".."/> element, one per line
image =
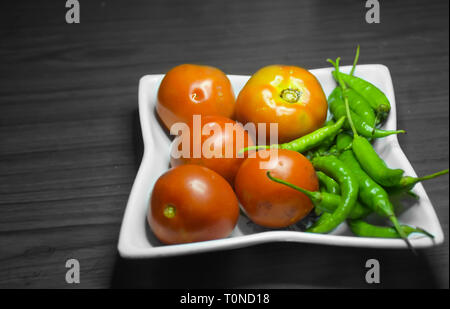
<point x="203" y="205"/>
<point x="190" y="89"/>
<point x="271" y="204"/>
<point x="288" y="95"/>
<point x="225" y="137"/>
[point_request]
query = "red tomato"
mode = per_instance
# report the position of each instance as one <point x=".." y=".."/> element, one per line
<point x="218" y="148"/>
<point x="192" y="203"/>
<point x="287" y="95"/>
<point x="271" y="204"/>
<point x="189" y="89"/>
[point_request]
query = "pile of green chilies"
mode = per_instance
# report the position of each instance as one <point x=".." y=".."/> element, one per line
<point x="354" y="180"/>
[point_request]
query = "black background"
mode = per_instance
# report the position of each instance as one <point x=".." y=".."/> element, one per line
<point x="70" y="142"/>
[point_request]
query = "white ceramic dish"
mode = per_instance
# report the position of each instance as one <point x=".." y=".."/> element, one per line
<point x="137" y="241"/>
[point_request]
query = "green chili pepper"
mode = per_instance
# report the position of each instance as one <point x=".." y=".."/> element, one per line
<point x="357" y="103"/>
<point x="326" y="184"/>
<point x="328" y="142"/>
<point x="343" y="142"/>
<point x="326" y="201"/>
<point x="331" y="186"/>
<point x="360" y="106"/>
<point x="376" y="98"/>
<point x="329" y="122"/>
<point x="406" y="183"/>
<point x="367" y="129"/>
<point x="334" y="168"/>
<point x="364" y="229"/>
<point x="326" y="147"/>
<point x="366" y="155"/>
<point x="373" y="96"/>
<point x="306" y="142"/>
<point x="371" y="193"/>
<point x="374" y="166"/>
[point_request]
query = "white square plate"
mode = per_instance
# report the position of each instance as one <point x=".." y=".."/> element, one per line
<point x="137" y="241"/>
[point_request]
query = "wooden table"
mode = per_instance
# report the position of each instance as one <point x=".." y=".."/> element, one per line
<point x="70" y="141"/>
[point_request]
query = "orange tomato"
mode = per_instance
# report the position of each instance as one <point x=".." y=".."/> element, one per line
<point x="269" y="203"/>
<point x="288" y="95"/>
<point x="192" y="203"/>
<point x="189" y="89"/>
<point x="220" y="146"/>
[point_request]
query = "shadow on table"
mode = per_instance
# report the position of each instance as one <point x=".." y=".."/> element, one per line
<point x="277" y="265"/>
<point x="138" y="142"/>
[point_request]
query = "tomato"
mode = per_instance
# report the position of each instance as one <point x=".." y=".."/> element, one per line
<point x="288" y="95"/>
<point x="220" y="146"/>
<point x="271" y="204"/>
<point x="192" y="203"/>
<point x="189" y="89"/>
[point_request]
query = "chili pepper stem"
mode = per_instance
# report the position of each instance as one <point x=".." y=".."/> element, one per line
<point x="355" y="61"/>
<point x="424" y="232"/>
<point x="382" y="109"/>
<point x="431" y="176"/>
<point x="314" y="196"/>
<point x="343" y="86"/>
<point x="412" y="194"/>
<point x="377" y="118"/>
<point x="347" y="108"/>
<point x="259" y="147"/>
<point x="408" y="182"/>
<point x="402" y="234"/>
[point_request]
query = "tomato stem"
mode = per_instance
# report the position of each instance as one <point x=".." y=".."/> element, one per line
<point x="290" y="95"/>
<point x="169" y="211"/>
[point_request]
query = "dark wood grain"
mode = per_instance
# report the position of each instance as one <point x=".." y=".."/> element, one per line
<point x="70" y="140"/>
